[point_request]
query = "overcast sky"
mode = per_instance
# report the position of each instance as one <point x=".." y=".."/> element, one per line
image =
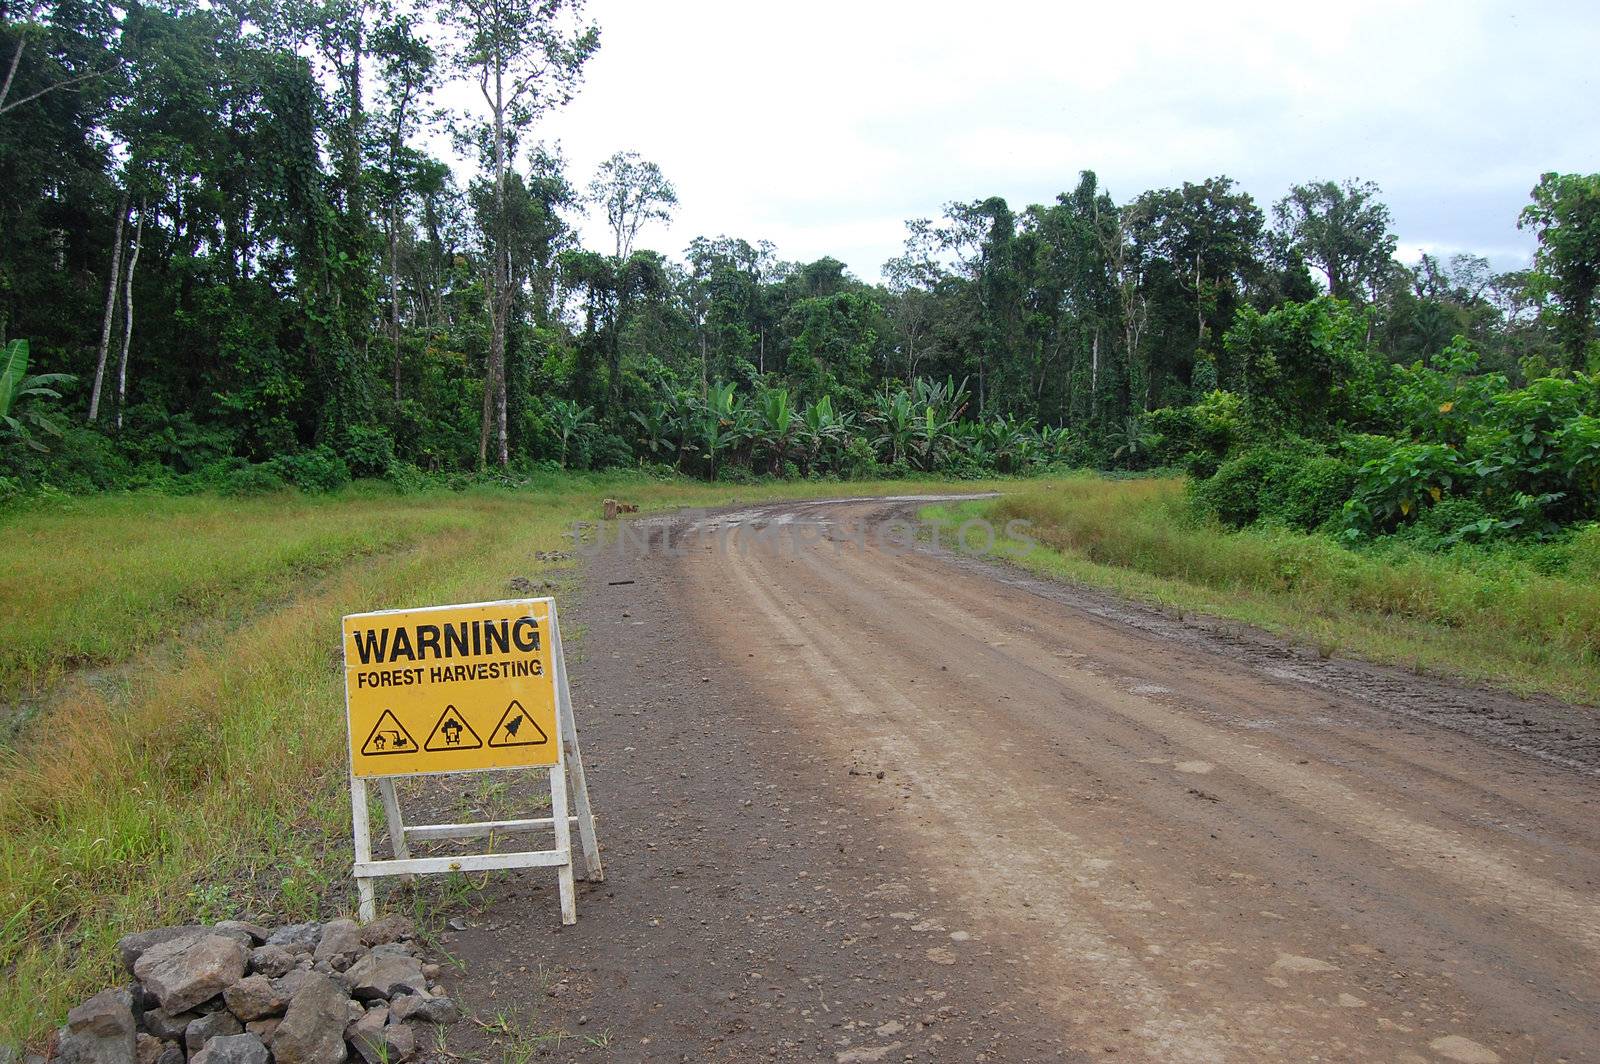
<point x="822" y="126"/>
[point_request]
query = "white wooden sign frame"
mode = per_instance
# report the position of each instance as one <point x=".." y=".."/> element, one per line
<point x="563" y="857"/>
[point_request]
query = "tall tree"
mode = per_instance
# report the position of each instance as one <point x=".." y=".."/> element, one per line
<point x="1342" y="230"/>
<point x="1211" y="234"/>
<point x="527" y="57"/>
<point x="633" y="192"/>
<point x="1565" y="215"/>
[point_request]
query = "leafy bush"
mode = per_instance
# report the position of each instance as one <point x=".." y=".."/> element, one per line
<point x="318" y="470"/>
<point x="1199" y="436"/>
<point x="1309" y="491"/>
<point x="368" y="451"/>
<point x="258" y="479"/>
<point x="606" y="450"/>
<point x="173" y="438"/>
<point x="1395" y="487"/>
<point x="1233" y="494"/>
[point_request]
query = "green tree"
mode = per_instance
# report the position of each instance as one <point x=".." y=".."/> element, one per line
<point x="1341" y="229"/>
<point x="834" y="342"/>
<point x="527" y="57"/>
<point x="1565" y="215"/>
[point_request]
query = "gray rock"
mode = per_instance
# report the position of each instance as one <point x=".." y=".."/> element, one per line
<point x="257" y="933"/>
<point x="208" y="1027"/>
<point x="255" y="998"/>
<point x="312" y="1031"/>
<point x="131" y="947"/>
<point x="232" y="1049"/>
<point x="264" y="1029"/>
<point x="99" y="1031"/>
<point x="171" y="1053"/>
<point x="340" y="944"/>
<point x="147" y="1048"/>
<point x="377" y="1041"/>
<point x="386" y="929"/>
<point x="383" y="973"/>
<point x="108" y="1013"/>
<point x="289" y="984"/>
<point x="168" y="1026"/>
<point x="272" y="961"/>
<point x="183" y="972"/>
<point x="427" y="1008"/>
<point x="305" y="935"/>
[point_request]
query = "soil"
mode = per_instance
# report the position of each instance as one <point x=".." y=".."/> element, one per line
<point x="861" y="803"/>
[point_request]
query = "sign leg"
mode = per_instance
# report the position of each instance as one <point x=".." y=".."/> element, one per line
<point x="558" y="812"/>
<point x="396" y="822"/>
<point x="565" y="723"/>
<point x="593" y="872"/>
<point x="362" y="829"/>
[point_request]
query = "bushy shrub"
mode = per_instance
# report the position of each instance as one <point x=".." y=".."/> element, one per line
<point x="258" y="479"/>
<point x="606" y="450"/>
<point x="407" y="478"/>
<point x="1308" y="491"/>
<point x="173" y="438"/>
<point x="1199" y="436"/>
<point x="1290" y="482"/>
<point x="1393" y="488"/>
<point x="1234" y="494"/>
<point x="79" y="461"/>
<point x="368" y="451"/>
<point x="859" y="460"/>
<point x="318" y="470"/>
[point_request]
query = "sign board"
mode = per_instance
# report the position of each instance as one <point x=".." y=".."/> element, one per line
<point x="467" y="688"/>
<point x="450" y="689"/>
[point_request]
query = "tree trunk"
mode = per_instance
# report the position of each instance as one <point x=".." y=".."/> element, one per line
<point x="488" y="376"/>
<point x="111" y="308"/>
<point x="127" y="321"/>
<point x="394" y="296"/>
<point x="494" y="403"/>
<point x="1094" y="371"/>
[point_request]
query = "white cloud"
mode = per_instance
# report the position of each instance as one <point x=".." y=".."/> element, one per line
<point x="823" y="126"/>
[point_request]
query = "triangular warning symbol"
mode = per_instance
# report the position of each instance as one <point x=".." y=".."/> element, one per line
<point x="388" y="736"/>
<point x="452" y="733"/>
<point x="516" y="728"/>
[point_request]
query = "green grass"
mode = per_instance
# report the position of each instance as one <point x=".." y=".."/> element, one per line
<point x="210" y="778"/>
<point x="92" y="581"/>
<point x="1490" y="617"/>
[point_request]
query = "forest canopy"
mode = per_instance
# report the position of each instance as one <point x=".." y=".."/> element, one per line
<point x="246" y="245"/>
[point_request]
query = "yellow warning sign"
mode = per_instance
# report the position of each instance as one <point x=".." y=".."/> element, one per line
<point x="476" y="682"/>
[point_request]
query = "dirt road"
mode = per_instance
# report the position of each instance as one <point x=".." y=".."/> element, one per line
<point x="864" y="804"/>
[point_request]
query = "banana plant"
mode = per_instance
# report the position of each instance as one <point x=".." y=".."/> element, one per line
<point x="570" y="421"/>
<point x="821" y="429"/>
<point x="17" y="388"/>
<point x="933" y="436"/>
<point x="723" y="423"/>
<point x="895" y="419"/>
<point x="777" y="425"/>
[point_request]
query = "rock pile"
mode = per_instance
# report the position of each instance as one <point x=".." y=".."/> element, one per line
<point x="235" y="993"/>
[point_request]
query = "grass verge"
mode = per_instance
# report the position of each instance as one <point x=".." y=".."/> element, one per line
<point x="209" y="781"/>
<point x="1483" y="617"/>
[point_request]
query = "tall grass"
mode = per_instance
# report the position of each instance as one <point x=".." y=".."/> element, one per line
<point x="210" y="782"/>
<point x="1490" y="616"/>
<point x="92" y="581"/>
